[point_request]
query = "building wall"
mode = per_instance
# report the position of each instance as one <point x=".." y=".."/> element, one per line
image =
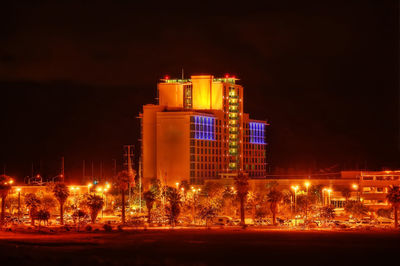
<point x="172" y="153"/>
<point x="149" y="141"/>
<point x="170" y="94"/>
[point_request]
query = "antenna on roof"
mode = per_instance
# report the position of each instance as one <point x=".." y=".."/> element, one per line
<point x="182" y="73"/>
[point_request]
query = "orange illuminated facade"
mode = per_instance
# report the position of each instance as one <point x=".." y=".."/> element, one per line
<point x="199" y="131"/>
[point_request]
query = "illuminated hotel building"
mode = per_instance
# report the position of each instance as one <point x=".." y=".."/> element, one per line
<point x="199" y="131"/>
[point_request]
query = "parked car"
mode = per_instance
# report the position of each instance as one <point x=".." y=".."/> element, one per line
<point x="222" y="220"/>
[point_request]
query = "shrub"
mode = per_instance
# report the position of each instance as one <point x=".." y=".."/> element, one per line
<point x="120" y="228"/>
<point x="88" y="228"/>
<point x="107" y="227"/>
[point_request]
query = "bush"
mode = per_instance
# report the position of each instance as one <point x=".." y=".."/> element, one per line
<point x="107" y="227"/>
<point x="88" y="228"/>
<point x="120" y="228"/>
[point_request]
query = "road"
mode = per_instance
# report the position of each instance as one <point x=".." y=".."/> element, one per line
<point x="201" y="247"/>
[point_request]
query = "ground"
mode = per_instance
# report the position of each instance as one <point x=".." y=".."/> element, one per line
<point x="202" y="247"/>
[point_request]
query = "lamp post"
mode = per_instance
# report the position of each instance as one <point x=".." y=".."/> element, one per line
<point x="88" y="187"/>
<point x="19" y="203"/>
<point x="307" y="184"/>
<point x="295" y="188"/>
<point x="356" y="187"/>
<point x="329" y="196"/>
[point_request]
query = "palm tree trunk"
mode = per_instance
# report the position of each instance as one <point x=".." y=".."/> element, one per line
<point x="396" y="223"/>
<point x="3" y="209"/>
<point x="274" y="217"/>
<point x="61" y="213"/>
<point x="149" y="217"/>
<point x="123" y="207"/>
<point x="242" y="221"/>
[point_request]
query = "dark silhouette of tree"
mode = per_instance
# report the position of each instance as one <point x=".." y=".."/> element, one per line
<point x="5" y="187"/>
<point x="32" y="202"/>
<point x="174" y="205"/>
<point x="393" y="197"/>
<point x="346" y="192"/>
<point x="274" y="197"/>
<point x="327" y="212"/>
<point x="78" y="216"/>
<point x="123" y="180"/>
<point x="150" y="198"/>
<point x="95" y="204"/>
<point x="43" y="215"/>
<point x="207" y="212"/>
<point x="242" y="189"/>
<point x="61" y="193"/>
<point x="356" y="209"/>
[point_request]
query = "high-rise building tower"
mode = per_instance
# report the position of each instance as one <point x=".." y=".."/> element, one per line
<point x="199" y="131"/>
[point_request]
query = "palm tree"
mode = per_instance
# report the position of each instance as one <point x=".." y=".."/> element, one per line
<point x="242" y="188"/>
<point x="32" y="202"/>
<point x="43" y="215"/>
<point x="174" y="205"/>
<point x="95" y="204"/>
<point x="5" y="187"/>
<point x="346" y="193"/>
<point x="393" y="197"/>
<point x="274" y="197"/>
<point x="61" y="193"/>
<point x="149" y="197"/>
<point x="124" y="179"/>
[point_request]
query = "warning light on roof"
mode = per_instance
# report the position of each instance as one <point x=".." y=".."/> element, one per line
<point x="166" y="77"/>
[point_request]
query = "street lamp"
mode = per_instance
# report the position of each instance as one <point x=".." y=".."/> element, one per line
<point x="329" y="196"/>
<point x="177" y="185"/>
<point x="89" y="186"/>
<point x="295" y="188"/>
<point x="355" y="187"/>
<point x="307" y="184"/>
<point x="19" y="203"/>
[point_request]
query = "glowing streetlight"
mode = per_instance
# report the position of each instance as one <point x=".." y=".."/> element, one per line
<point x="19" y="202"/>
<point x="89" y="185"/>
<point x="307" y="184"/>
<point x="295" y="188"/>
<point x="329" y="196"/>
<point x="177" y="185"/>
<point x="356" y="187"/>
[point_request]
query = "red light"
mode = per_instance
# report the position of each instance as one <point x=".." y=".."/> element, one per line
<point x="226" y="76"/>
<point x="233" y="77"/>
<point x="166" y="77"/>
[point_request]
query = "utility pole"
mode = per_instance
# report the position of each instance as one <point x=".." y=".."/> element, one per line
<point x="128" y="159"/>
<point x="62" y="169"/>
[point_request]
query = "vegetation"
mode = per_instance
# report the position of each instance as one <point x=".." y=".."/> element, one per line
<point x="95" y="204"/>
<point x="61" y="193"/>
<point x="356" y="208"/>
<point x="43" y="215"/>
<point x="32" y="202"/>
<point x="5" y="187"/>
<point x="124" y="180"/>
<point x="242" y="188"/>
<point x="150" y="198"/>
<point x="393" y="197"/>
<point x="274" y="197"/>
<point x="174" y="205"/>
<point x="327" y="212"/>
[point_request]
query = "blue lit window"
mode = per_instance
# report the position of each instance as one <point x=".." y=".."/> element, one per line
<point x="257" y="132"/>
<point x="204" y="128"/>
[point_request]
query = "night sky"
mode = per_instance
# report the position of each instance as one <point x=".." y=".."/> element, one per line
<point x="74" y="75"/>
